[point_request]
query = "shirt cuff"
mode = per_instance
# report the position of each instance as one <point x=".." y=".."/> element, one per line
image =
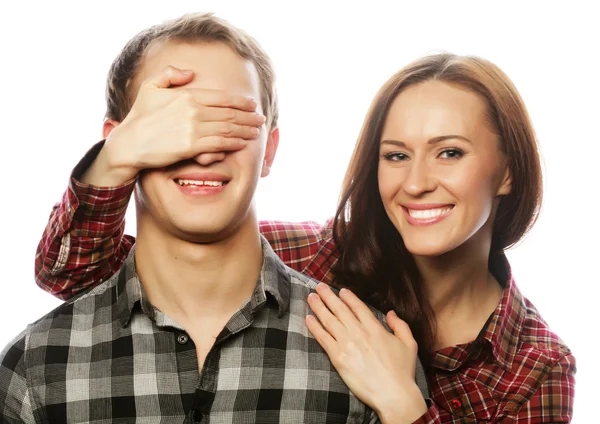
<point x="89" y="197"/>
<point x="432" y="416"/>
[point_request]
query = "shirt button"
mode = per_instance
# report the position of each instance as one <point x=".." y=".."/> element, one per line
<point x="182" y="339"/>
<point x="456" y="403"/>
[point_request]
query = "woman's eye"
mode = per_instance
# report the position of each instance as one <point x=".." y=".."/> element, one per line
<point x="395" y="157"/>
<point x="451" y="154"/>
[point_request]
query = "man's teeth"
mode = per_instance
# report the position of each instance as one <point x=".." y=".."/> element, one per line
<point x="428" y="213"/>
<point x="200" y="183"/>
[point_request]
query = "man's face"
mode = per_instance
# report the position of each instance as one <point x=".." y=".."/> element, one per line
<point x="204" y="203"/>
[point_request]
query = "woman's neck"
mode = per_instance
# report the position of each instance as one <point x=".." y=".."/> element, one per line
<point x="461" y="290"/>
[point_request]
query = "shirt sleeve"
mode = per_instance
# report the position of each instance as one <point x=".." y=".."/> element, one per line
<point x="307" y="247"/>
<point x="15" y="399"/>
<point x="83" y="243"/>
<point x="432" y="416"/>
<point x="553" y="401"/>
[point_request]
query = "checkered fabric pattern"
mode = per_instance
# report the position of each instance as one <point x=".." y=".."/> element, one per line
<point x="517" y="371"/>
<point x="110" y="356"/>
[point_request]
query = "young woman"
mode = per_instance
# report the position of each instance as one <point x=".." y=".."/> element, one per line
<point x="445" y="176"/>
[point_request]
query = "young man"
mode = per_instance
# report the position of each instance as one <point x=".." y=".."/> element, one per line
<point x="203" y="322"/>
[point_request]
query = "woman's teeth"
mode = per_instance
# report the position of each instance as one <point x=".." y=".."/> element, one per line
<point x="428" y="213"/>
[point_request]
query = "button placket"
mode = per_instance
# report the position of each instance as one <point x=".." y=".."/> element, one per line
<point x="456" y="403"/>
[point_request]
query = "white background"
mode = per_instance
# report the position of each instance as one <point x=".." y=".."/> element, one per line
<point x="331" y="58"/>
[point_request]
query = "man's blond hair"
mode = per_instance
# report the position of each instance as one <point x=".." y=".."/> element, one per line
<point x="188" y="28"/>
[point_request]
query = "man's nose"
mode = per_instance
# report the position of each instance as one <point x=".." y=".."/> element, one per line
<point x="208" y="158"/>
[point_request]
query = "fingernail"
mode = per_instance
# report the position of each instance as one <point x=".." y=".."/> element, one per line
<point x="254" y="131"/>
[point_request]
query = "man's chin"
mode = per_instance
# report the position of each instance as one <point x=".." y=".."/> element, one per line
<point x="207" y="233"/>
<point x="209" y="228"/>
<point x="204" y="235"/>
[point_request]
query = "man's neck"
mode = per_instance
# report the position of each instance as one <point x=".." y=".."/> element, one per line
<point x="194" y="282"/>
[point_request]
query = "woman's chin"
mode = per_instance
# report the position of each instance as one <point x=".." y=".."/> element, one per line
<point x="428" y="249"/>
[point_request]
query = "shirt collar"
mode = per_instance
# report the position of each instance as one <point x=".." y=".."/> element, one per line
<point x="274" y="280"/>
<point x="273" y="283"/>
<point x="501" y="333"/>
<point x="503" y="329"/>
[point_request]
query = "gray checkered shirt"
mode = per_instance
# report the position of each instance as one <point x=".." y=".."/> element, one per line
<point x="109" y="356"/>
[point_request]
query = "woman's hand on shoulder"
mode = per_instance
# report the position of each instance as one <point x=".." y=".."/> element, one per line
<point x="377" y="366"/>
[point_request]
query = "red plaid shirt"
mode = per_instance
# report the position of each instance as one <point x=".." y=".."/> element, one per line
<point x="516" y="371"/>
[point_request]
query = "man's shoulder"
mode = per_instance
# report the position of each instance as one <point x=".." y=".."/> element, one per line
<point x="77" y="314"/>
<point x="39" y="334"/>
<point x="301" y="282"/>
<point x="11" y="355"/>
<point x="85" y="303"/>
<point x="302" y="286"/>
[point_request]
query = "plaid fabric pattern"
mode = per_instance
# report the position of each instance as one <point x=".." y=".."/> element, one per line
<point x="517" y="371"/>
<point x="110" y="356"/>
<point x="84" y="232"/>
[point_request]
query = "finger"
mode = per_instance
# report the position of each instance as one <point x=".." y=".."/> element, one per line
<point x="358" y="307"/>
<point x="168" y="77"/>
<point x="220" y="98"/>
<point x="322" y="337"/>
<point x="337" y="307"/>
<point x="236" y="116"/>
<point x="227" y="129"/>
<point x="401" y="330"/>
<point x="216" y="144"/>
<point x="333" y="326"/>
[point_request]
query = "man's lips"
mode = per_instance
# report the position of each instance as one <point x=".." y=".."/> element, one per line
<point x="202" y="180"/>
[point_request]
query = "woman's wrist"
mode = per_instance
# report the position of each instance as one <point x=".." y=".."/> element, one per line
<point x="405" y="406"/>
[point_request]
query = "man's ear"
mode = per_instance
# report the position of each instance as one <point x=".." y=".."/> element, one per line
<point x="270" y="151"/>
<point x="506" y="185"/>
<point x="108" y="126"/>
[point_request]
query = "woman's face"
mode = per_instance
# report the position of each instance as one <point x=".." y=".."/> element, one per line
<point x="441" y="170"/>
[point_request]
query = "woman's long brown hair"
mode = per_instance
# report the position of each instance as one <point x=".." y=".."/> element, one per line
<point x="374" y="261"/>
